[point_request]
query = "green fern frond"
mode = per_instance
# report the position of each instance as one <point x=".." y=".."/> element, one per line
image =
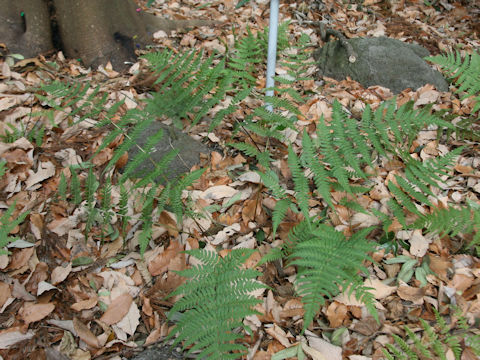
<point x="327" y="262"/>
<point x="189" y="85"/>
<point x="75" y="187"/>
<point x="106" y="205"/>
<point x="91" y="186"/>
<point x="123" y="209"/>
<point x="452" y="221"/>
<point x="176" y="192"/>
<point x="221" y="114"/>
<point x="433" y="344"/>
<point x="263" y="157"/>
<point x="320" y="174"/>
<point x="142" y="156"/>
<point x="62" y="187"/>
<point x="79" y="98"/>
<point x="7" y="225"/>
<point x="271" y="181"/>
<point x="216" y="298"/>
<point x="466" y="72"/>
<point x="402" y="198"/>
<point x="130" y="141"/>
<point x="147" y="219"/>
<point x="248" y="52"/>
<point x="279" y="213"/>
<point x="328" y="149"/>
<point x="300" y="183"/>
<point x="345" y="145"/>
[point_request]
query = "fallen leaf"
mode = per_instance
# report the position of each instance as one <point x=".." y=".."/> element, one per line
<point x="12" y="336"/>
<point x="277" y="333"/>
<point x="85" y="334"/>
<point x="379" y="289"/>
<point x="336" y="314"/>
<point x="5" y="293"/>
<point x="410" y="293"/>
<point x="419" y="244"/>
<point x="84" y="304"/>
<point x="31" y="312"/>
<point x="44" y="286"/>
<point x="131" y="320"/>
<point x="330" y="351"/>
<point x="60" y="273"/>
<point x="20" y="258"/>
<point x="117" y="309"/>
<point x="44" y="171"/>
<point x="159" y="264"/>
<point x="218" y="192"/>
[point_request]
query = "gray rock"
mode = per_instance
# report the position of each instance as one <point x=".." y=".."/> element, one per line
<point x="158" y="353"/>
<point x="173" y="138"/>
<point x="383" y="61"/>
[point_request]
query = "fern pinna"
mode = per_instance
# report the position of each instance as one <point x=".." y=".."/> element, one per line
<point x="189" y="86"/>
<point x="328" y="263"/>
<point x="465" y="72"/>
<point x="216" y="298"/>
<point x="435" y="340"/>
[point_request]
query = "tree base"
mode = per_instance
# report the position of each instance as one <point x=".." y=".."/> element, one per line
<point x="94" y="31"/>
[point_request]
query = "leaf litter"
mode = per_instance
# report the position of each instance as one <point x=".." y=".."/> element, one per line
<point x="65" y="291"/>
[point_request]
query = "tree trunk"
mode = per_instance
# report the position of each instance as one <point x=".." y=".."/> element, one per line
<point x="25" y="27"/>
<point x="95" y="31"/>
<point x="100" y="30"/>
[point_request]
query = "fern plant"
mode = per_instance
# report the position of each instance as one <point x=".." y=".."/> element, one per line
<point x="326" y="263"/>
<point x="197" y="85"/>
<point x="453" y="221"/>
<point x="189" y="85"/>
<point x="76" y="100"/>
<point x="464" y="72"/>
<point x="434" y="342"/>
<point x="216" y="298"/>
<point x="7" y="224"/>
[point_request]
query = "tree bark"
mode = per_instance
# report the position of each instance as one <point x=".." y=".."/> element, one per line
<point x="95" y="31"/>
<point x="25" y="27"/>
<point x="98" y="31"/>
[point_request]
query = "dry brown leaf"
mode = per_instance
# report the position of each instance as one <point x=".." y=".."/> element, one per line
<point x="463" y="169"/>
<point x="117" y="309"/>
<point x="218" y="192"/>
<point x="85" y="334"/>
<point x="45" y="170"/>
<point x="331" y="352"/>
<point x="20" y="258"/>
<point x="440" y="266"/>
<point x="367" y="326"/>
<point x="336" y="314"/>
<point x="131" y="320"/>
<point x="5" y="293"/>
<point x="31" y="312"/>
<point x="277" y="333"/>
<point x="60" y="273"/>
<point x="461" y="282"/>
<point x="11" y="336"/>
<point x="85" y="304"/>
<point x="159" y="264"/>
<point x="419" y="244"/>
<point x="167" y="221"/>
<point x="250" y="208"/>
<point x="410" y="293"/>
<point x="379" y="289"/>
<point x="36" y="225"/>
<point x="147" y="308"/>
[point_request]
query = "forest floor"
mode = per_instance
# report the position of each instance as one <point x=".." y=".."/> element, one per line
<point x="52" y="305"/>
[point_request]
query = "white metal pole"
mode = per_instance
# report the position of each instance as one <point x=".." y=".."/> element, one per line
<point x="272" y="49"/>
